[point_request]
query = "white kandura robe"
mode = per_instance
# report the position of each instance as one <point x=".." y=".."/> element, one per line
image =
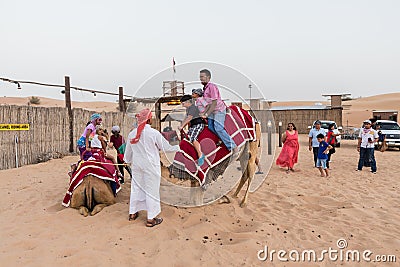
<point x="144" y="157"/>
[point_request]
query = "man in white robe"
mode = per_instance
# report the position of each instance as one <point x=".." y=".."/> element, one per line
<point x="143" y="153"/>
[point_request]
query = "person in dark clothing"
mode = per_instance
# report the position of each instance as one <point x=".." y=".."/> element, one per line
<point x="117" y="141"/>
<point x="331" y="140"/>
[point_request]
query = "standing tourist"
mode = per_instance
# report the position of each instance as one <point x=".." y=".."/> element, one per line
<point x="313" y="143"/>
<point x="290" y="150"/>
<point x="117" y="141"/>
<point x="366" y="143"/>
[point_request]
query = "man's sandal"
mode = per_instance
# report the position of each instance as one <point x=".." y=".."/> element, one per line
<point x="154" y="222"/>
<point x="133" y="217"/>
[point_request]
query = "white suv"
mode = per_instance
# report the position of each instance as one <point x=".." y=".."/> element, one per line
<point x="325" y="126"/>
<point x="392" y="131"/>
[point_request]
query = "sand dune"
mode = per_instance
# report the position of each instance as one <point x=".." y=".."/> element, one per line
<point x="49" y="102"/>
<point x="355" y="112"/>
<point x="362" y="108"/>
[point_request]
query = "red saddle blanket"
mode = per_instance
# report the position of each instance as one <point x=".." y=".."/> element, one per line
<point x="238" y="124"/>
<point x="101" y="170"/>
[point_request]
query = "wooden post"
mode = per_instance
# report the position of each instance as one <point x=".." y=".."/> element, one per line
<point x="70" y="115"/>
<point x="158" y="115"/>
<point x="269" y="125"/>
<point x="174" y="90"/>
<point x="121" y="99"/>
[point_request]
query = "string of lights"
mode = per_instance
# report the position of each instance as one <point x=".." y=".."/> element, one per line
<point x="18" y="83"/>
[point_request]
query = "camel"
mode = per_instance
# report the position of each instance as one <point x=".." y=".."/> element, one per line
<point x="92" y="195"/>
<point x="247" y="160"/>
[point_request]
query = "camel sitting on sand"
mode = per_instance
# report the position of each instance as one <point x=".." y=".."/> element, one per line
<point x="92" y="195"/>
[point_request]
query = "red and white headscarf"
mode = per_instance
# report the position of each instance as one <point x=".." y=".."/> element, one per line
<point x="142" y="119"/>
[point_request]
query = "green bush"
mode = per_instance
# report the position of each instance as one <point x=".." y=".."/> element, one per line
<point x="34" y="100"/>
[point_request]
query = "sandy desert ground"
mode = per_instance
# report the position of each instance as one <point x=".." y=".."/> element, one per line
<point x="296" y="211"/>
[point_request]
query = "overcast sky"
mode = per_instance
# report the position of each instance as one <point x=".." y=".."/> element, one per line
<point x="293" y="49"/>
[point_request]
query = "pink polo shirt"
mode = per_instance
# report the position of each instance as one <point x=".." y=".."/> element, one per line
<point x="211" y="92"/>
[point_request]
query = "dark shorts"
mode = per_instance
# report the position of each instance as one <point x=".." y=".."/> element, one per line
<point x="194" y="131"/>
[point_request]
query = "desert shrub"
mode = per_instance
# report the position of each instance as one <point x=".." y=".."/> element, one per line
<point x="34" y="100"/>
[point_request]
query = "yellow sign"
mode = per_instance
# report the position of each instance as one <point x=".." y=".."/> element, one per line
<point x="174" y="102"/>
<point x="14" y="127"/>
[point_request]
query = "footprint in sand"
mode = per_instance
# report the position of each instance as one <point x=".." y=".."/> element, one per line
<point x="55" y="208"/>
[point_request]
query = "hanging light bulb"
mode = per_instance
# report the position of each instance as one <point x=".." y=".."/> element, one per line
<point x="18" y="86"/>
<point x="94" y="94"/>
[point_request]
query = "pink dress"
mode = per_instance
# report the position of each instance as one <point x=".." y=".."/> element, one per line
<point x="289" y="154"/>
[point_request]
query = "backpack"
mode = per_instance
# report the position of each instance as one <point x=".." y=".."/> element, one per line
<point x="332" y="140"/>
<point x="121" y="149"/>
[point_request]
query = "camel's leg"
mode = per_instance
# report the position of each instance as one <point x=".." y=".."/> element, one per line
<point x="244" y="161"/>
<point x="241" y="183"/>
<point x="250" y="170"/>
<point x="98" y="208"/>
<point x="84" y="211"/>
<point x="78" y="199"/>
<point x="246" y="194"/>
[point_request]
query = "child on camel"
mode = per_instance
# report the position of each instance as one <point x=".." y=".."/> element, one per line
<point x="83" y="143"/>
<point x="196" y="125"/>
<point x="87" y="135"/>
<point x="99" y="146"/>
<point x="199" y="101"/>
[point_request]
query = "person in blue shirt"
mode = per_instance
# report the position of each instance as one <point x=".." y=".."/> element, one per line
<point x="322" y="157"/>
<point x="313" y="143"/>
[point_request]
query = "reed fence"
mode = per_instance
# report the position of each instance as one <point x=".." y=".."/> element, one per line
<point x="48" y="134"/>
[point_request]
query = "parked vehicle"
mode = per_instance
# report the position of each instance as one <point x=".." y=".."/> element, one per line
<point x="325" y="126"/>
<point x="392" y="131"/>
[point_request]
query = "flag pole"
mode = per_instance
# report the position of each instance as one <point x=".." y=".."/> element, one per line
<point x="173" y="69"/>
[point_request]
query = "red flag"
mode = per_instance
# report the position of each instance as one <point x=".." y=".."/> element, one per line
<point x="173" y="65"/>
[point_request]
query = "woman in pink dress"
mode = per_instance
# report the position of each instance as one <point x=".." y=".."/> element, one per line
<point x="289" y="154"/>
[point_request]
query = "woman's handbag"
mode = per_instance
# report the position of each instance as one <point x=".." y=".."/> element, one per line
<point x="332" y="141"/>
